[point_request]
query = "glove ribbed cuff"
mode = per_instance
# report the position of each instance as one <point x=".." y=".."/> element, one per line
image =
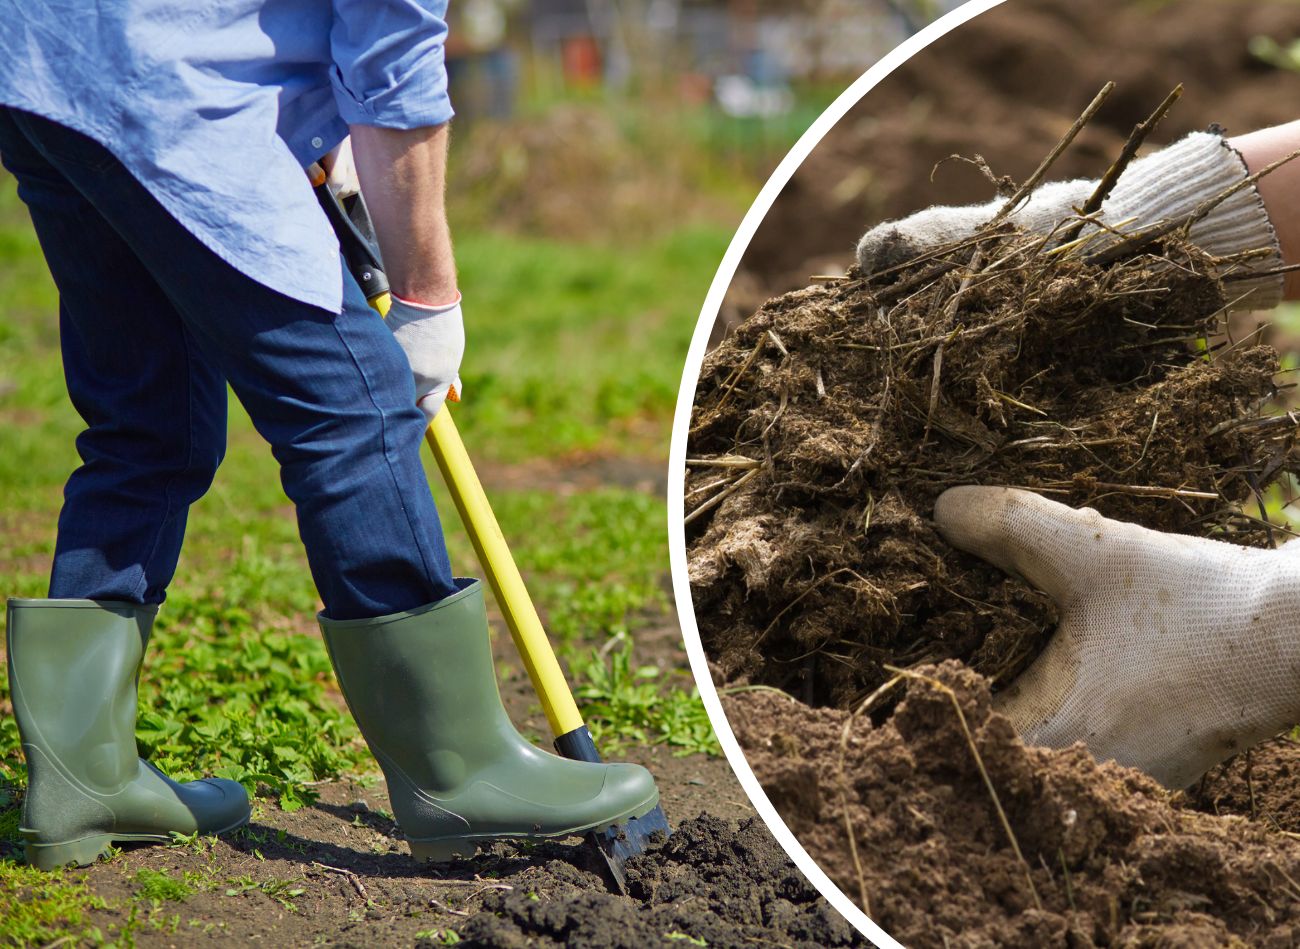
<point x="1173" y="182"/>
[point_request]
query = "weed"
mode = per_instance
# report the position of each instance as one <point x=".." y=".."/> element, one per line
<point x="622" y="704"/>
<point x="282" y="891"/>
<point x="159" y="887"/>
<point x="443" y="937"/>
<point x="217" y="698"/>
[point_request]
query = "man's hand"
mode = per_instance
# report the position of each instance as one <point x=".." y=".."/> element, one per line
<point x="340" y="170"/>
<point x="1173" y="653"/>
<point x="433" y="338"/>
<point x="1165" y="186"/>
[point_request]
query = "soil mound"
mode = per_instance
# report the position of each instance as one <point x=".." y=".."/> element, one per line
<point x="710" y="883"/>
<point x="1106" y="857"/>
<point x="826" y="425"/>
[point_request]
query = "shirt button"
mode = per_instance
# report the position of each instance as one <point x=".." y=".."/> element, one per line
<point x="317" y="142"/>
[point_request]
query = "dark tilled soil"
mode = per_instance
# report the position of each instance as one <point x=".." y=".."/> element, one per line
<point x="721" y="877"/>
<point x="1109" y="857"/>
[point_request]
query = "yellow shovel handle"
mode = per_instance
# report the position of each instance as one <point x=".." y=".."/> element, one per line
<point x="499" y="565"/>
<point x="502" y="575"/>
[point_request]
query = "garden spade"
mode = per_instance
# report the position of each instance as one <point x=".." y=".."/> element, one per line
<point x="351" y="222"/>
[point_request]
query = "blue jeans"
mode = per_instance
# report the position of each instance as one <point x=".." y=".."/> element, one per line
<point x="153" y="325"/>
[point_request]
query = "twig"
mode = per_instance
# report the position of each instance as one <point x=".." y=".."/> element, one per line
<point x="725" y="461"/>
<point x="844" y="782"/>
<point x="733" y="380"/>
<point x="351" y="877"/>
<point x="979" y="763"/>
<point x="440" y="905"/>
<point x="1107" y="182"/>
<point x="1066" y="487"/>
<point x="1032" y="181"/>
<point x="718" y="498"/>
<point x="1144" y="238"/>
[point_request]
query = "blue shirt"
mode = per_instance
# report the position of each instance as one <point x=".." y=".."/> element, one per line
<point x="217" y="106"/>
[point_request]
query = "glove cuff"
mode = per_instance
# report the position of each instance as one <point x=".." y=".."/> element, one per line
<point x="1173" y="182"/>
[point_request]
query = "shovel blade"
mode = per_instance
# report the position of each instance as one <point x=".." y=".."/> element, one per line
<point x="628" y="839"/>
<point x="615" y="845"/>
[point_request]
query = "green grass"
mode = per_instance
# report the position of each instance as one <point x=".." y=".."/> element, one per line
<point x="577" y="347"/>
<point x="38" y="908"/>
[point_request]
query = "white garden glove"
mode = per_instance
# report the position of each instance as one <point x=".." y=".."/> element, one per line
<point x="433" y="338"/>
<point x="341" y="171"/>
<point x="1163" y="186"/>
<point x="1172" y="654"/>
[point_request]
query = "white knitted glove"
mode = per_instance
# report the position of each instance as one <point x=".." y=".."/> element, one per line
<point x="1163" y="186"/>
<point x="1173" y="653"/>
<point x="341" y="170"/>
<point x="433" y="338"/>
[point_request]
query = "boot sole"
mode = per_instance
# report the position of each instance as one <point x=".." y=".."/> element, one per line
<point x="445" y="849"/>
<point x="88" y="850"/>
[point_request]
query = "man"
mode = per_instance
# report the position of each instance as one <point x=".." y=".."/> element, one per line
<point x="1173" y="653"/>
<point x="160" y="148"/>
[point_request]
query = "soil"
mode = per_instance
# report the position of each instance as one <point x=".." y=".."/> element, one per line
<point x="720" y="877"/>
<point x="1107" y="857"/>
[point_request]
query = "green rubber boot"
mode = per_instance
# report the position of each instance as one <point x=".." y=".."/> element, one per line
<point x="423" y="690"/>
<point x="73" y="668"/>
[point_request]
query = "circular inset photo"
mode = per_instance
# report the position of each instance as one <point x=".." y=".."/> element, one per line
<point x="987" y="460"/>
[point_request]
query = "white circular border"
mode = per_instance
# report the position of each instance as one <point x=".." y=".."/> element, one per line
<point x="681" y="425"/>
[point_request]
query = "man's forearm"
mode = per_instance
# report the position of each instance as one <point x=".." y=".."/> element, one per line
<point x="403" y="176"/>
<point x="1280" y="189"/>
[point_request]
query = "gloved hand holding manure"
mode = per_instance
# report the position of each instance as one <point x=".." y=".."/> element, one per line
<point x="1173" y="653"/>
<point x="1164" y="186"/>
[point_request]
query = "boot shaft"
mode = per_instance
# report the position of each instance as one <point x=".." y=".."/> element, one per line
<point x="422" y="687"/>
<point x="73" y="672"/>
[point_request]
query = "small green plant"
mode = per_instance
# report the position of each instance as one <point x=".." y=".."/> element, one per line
<point x="444" y="937"/>
<point x="160" y="887"/>
<point x="625" y="704"/>
<point x="282" y="891"/>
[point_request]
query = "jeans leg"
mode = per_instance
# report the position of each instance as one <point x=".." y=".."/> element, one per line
<point x="154" y="407"/>
<point x="331" y="392"/>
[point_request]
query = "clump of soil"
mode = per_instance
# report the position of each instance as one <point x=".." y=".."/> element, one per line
<point x="1107" y="857"/>
<point x="709" y="881"/>
<point x="826" y="425"/>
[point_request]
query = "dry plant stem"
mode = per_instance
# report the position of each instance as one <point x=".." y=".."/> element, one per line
<point x="1032" y="181"/>
<point x="351" y="877"/>
<point x="979" y="763"/>
<point x="844" y="783"/>
<point x="726" y="461"/>
<point x="1137" y="242"/>
<point x="1126" y="155"/>
<point x="721" y="496"/>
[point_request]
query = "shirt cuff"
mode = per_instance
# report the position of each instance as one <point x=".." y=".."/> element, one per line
<point x="416" y="99"/>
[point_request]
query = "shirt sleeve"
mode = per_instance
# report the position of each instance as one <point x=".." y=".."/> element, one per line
<point x="389" y="67"/>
